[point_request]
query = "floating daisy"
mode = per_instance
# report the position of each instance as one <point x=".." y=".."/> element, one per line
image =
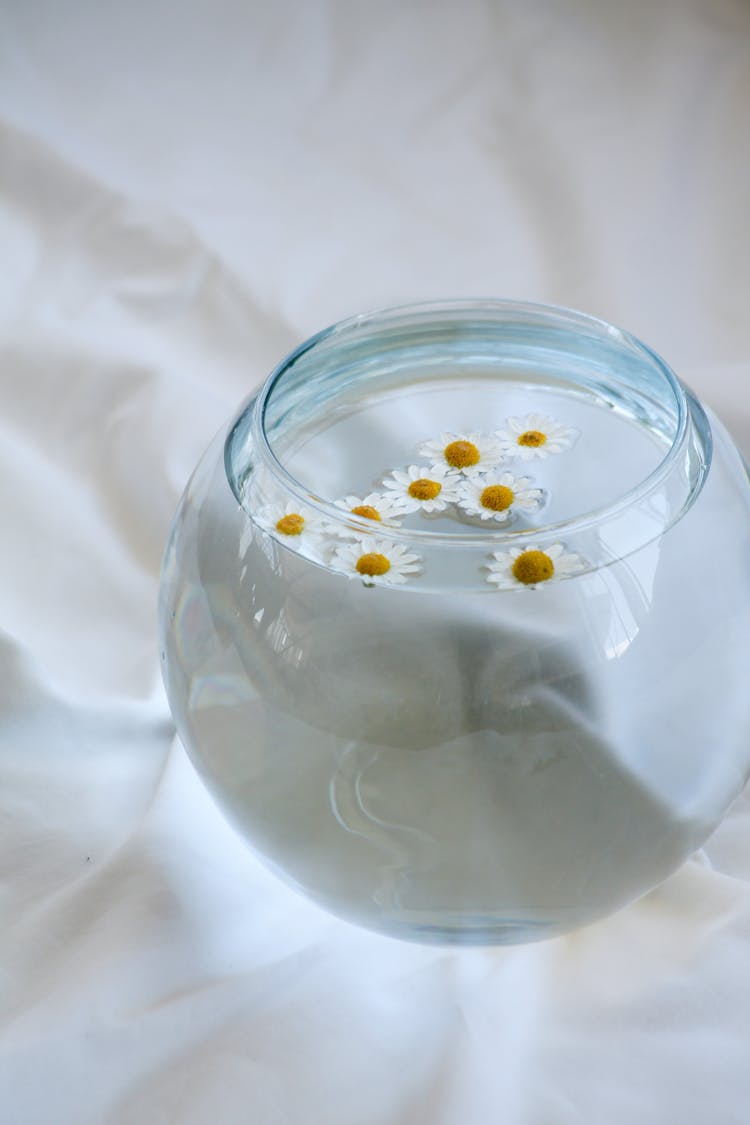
<point x="376" y="562"/>
<point x="375" y="507"/>
<point x="496" y="496"/>
<point x="292" y="523"/>
<point x="530" y="566"/>
<point x="429" y="489"/>
<point x="465" y="453"/>
<point x="535" y="435"/>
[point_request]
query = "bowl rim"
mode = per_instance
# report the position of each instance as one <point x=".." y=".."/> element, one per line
<point x="670" y="466"/>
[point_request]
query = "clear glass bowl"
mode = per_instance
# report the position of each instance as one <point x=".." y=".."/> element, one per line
<point x="518" y="699"/>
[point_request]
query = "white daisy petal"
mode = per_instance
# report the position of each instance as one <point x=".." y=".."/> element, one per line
<point x="534" y="436"/>
<point x="464" y="453"/>
<point x="568" y="564"/>
<point x="294" y="525"/>
<point x="532" y="566"/>
<point x="427" y="488"/>
<point x="379" y="508"/>
<point x="495" y="496"/>
<point x="376" y="562"/>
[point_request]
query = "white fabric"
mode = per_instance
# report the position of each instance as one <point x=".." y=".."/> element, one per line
<point x="186" y="192"/>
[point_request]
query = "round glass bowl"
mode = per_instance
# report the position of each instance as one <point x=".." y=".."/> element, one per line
<point x="455" y="620"/>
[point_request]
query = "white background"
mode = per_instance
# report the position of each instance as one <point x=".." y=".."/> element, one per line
<point x="187" y="190"/>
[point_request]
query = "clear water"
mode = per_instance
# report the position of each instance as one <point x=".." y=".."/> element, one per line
<point x="364" y="437"/>
<point x="457" y="763"/>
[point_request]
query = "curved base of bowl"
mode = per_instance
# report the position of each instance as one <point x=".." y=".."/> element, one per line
<point x="477" y="928"/>
<point x="474" y="931"/>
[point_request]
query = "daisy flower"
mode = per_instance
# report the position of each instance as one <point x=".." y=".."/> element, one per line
<point x="375" y="507"/>
<point x="535" y="435"/>
<point x="529" y="566"/>
<point x="292" y="523"/>
<point x="376" y="562"/>
<point x="497" y="495"/>
<point x="465" y="453"/>
<point x="430" y="489"/>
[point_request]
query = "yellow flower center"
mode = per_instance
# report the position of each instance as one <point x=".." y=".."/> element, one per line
<point x="372" y="565"/>
<point x="424" y="489"/>
<point x="497" y="497"/>
<point x="366" y="511"/>
<point x="532" y="438"/>
<point x="461" y="454"/>
<point x="291" y="524"/>
<point x="533" y="566"/>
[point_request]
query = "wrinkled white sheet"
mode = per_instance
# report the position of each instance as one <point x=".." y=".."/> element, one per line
<point x="186" y="192"/>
